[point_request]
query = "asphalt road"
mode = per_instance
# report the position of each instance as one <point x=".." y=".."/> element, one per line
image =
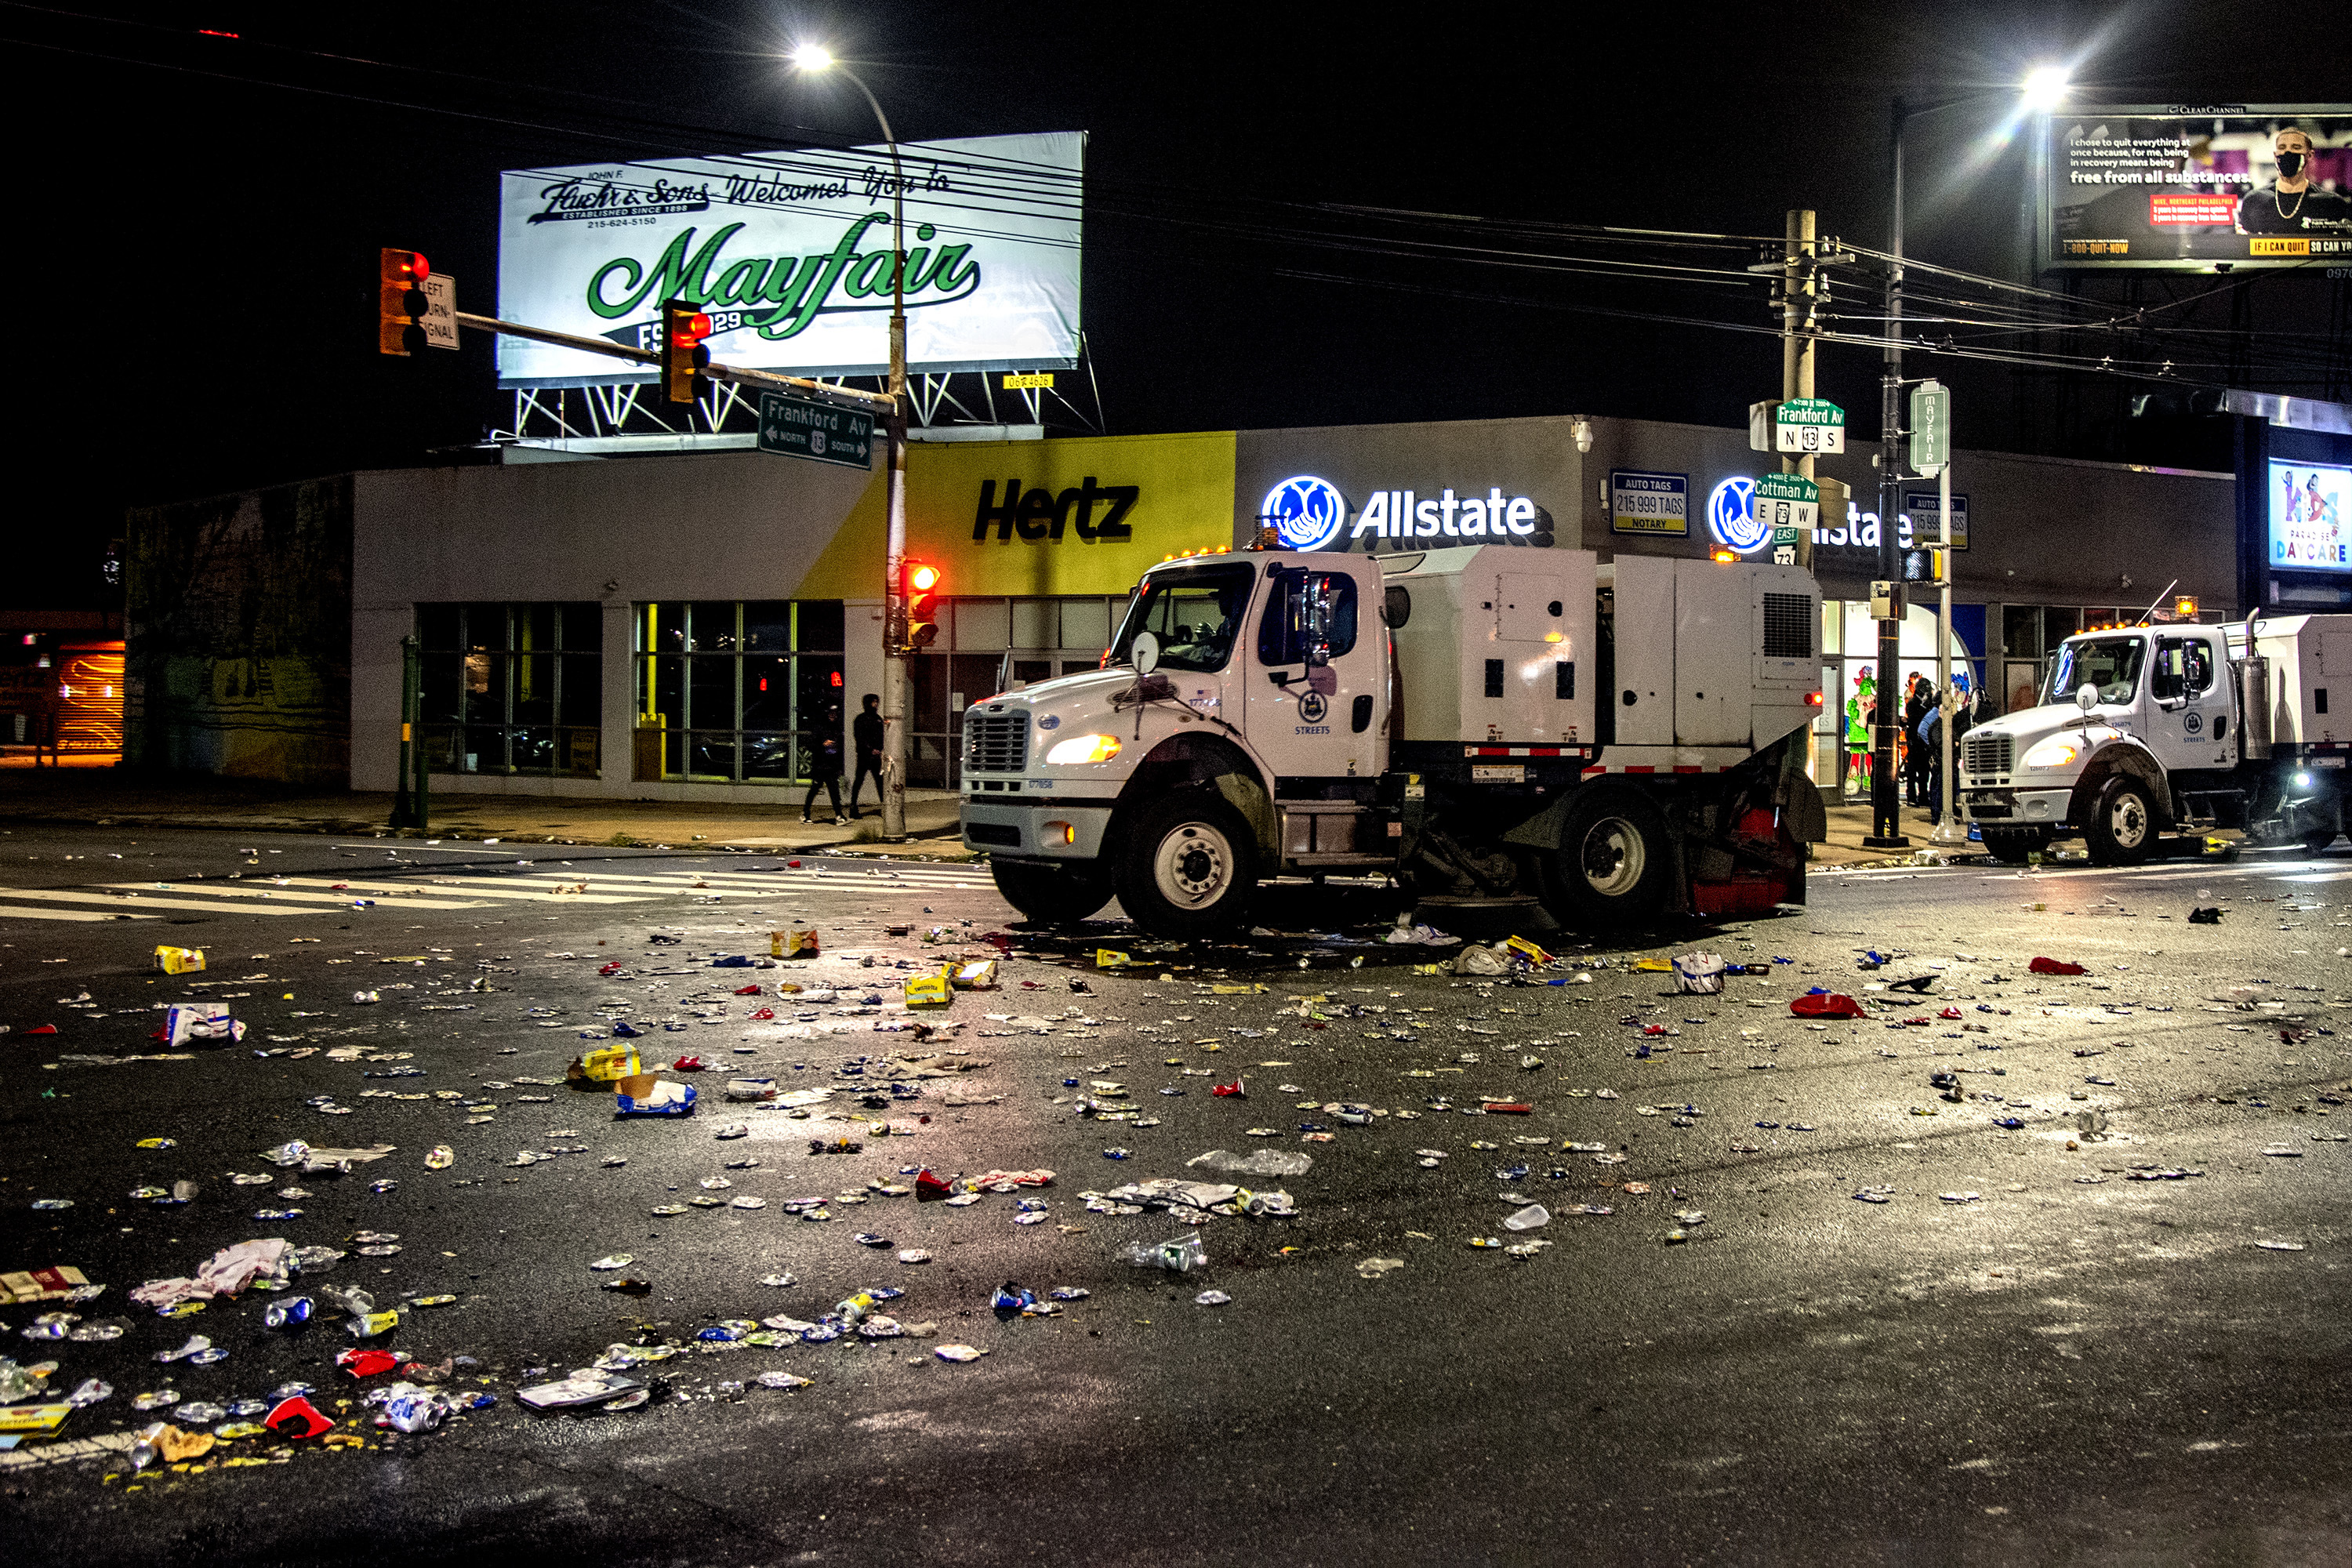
<point x="2070" y="1364"/>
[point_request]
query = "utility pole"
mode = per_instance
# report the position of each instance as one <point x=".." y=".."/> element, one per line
<point x="1885" y="810"/>
<point x="1800" y="302"/>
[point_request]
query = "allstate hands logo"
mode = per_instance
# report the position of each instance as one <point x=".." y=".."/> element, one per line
<point x="1731" y="515"/>
<point x="1305" y="512"/>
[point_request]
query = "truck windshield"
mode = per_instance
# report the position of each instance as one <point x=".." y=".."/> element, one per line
<point x="2111" y="663"/>
<point x="1196" y="614"/>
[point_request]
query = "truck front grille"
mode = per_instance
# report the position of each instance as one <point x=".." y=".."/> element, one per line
<point x="995" y="742"/>
<point x="1988" y="757"/>
<point x="1789" y="625"/>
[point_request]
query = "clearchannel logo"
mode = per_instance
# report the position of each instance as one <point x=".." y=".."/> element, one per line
<point x="1305" y="512"/>
<point x="1731" y="515"/>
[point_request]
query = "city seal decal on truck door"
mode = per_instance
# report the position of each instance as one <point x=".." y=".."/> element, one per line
<point x="2193" y="722"/>
<point x="1312" y="709"/>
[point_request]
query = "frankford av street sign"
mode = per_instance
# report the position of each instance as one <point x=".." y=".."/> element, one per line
<point x="803" y="428"/>
<point x="1809" y="425"/>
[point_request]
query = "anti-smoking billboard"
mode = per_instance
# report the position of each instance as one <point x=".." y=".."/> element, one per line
<point x="2189" y="188"/>
<point x="790" y="254"/>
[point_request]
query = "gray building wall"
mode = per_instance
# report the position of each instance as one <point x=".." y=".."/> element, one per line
<point x="717" y="526"/>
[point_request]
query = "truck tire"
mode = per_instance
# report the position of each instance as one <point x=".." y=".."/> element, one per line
<point x="1052" y="895"/>
<point x="1189" y="867"/>
<point x="2015" y="846"/>
<point x="1613" y="866"/>
<point x="2122" y="828"/>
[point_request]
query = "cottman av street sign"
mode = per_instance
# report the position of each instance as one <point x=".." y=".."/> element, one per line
<point x="803" y="428"/>
<point x="1788" y="504"/>
<point x="1809" y="425"/>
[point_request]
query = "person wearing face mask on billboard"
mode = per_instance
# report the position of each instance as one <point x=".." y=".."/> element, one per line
<point x="2284" y="204"/>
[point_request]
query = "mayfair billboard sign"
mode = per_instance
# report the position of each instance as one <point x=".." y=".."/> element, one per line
<point x="790" y="254"/>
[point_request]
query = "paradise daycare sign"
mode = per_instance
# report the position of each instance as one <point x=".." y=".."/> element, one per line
<point x="790" y="254"/>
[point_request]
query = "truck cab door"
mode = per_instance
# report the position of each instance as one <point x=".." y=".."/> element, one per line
<point x="2188" y="714"/>
<point x="1319" y="681"/>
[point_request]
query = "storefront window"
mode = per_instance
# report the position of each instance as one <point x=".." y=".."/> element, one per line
<point x="512" y="689"/>
<point x="737" y="692"/>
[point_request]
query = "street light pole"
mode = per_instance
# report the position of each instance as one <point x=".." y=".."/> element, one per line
<point x="898" y="683"/>
<point x="1886" y="805"/>
<point x="896" y="675"/>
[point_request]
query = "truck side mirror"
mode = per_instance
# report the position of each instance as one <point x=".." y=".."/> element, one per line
<point x="1144" y="653"/>
<point x="2087" y="696"/>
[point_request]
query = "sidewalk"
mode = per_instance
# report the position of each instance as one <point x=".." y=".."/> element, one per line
<point x="1850" y="824"/>
<point x="103" y="797"/>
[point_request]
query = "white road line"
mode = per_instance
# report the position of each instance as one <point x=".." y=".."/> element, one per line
<point x="291" y="895"/>
<point x="7" y="913"/>
<point x="149" y="902"/>
<point x="472" y="888"/>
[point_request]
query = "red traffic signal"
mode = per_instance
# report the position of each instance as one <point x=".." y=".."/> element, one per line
<point x="400" y="328"/>
<point x="918" y="589"/>
<point x="683" y="354"/>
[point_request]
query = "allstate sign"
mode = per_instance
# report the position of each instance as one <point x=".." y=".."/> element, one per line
<point x="1731" y="516"/>
<point x="1305" y="512"/>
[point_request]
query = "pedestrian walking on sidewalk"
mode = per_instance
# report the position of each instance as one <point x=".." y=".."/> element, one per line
<point x="825" y="764"/>
<point x="865" y="737"/>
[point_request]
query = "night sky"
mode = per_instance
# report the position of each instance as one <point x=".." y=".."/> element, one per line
<point x="195" y="238"/>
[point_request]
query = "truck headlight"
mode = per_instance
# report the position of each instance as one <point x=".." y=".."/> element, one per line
<point x="1083" y="749"/>
<point x="2053" y="752"/>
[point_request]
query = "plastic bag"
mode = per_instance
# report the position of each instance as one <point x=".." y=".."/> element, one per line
<point x="1475" y="960"/>
<point x="1699" y="973"/>
<point x="1259" y="1162"/>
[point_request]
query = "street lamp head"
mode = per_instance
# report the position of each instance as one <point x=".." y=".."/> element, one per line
<point x="2044" y="88"/>
<point x="813" y="57"/>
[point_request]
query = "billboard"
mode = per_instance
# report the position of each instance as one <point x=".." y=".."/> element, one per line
<point x="2188" y="186"/>
<point x="790" y="254"/>
<point x="2307" y="523"/>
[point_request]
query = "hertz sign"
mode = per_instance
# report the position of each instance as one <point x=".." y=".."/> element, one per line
<point x="1039" y="514"/>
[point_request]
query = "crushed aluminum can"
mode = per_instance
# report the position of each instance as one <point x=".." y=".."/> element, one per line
<point x="369" y="1325"/>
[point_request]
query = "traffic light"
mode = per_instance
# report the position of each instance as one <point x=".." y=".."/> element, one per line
<point x="401" y="306"/>
<point x="919" y="591"/>
<point x="683" y="354"/>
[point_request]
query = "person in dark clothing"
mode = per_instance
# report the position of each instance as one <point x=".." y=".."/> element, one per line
<point x="1916" y="700"/>
<point x="1930" y="742"/>
<point x="2284" y="206"/>
<point x="825" y="764"/>
<point x="866" y="738"/>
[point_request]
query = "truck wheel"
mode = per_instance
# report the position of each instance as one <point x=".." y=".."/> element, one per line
<point x="1190" y="867"/>
<point x="1612" y="864"/>
<point x="2015" y="846"/>
<point x="1052" y="895"/>
<point x="2123" y="828"/>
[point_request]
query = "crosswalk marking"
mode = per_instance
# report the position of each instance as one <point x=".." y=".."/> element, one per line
<point x="291" y="895"/>
<point x="473" y="887"/>
<point x="327" y="895"/>
<point x="210" y="906"/>
<point x="6" y="913"/>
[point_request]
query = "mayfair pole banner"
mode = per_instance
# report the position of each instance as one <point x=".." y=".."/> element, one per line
<point x="790" y="254"/>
